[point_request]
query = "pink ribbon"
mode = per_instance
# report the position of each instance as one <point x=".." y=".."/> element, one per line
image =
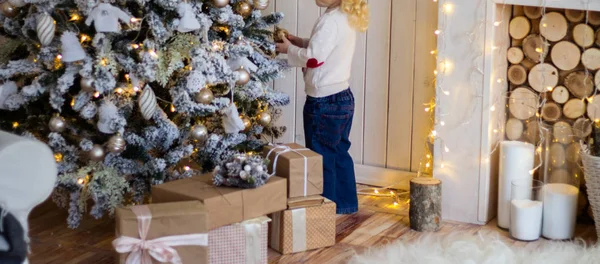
<point x="161" y="249"/>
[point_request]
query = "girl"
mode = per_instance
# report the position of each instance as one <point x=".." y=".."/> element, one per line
<point x="327" y="59"/>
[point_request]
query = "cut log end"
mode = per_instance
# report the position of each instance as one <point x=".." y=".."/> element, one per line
<point x="519" y="27"/>
<point x="554" y="26"/>
<point x="565" y="55"/>
<point x="583" y="35"/>
<point x="580" y="84"/>
<point x="535" y="48"/>
<point x="563" y="132"/>
<point x="543" y="77"/>
<point x="425" y="204"/>
<point x="594" y="18"/>
<point x="574" y="16"/>
<point x="593" y="108"/>
<point x="560" y="94"/>
<point x="514" y="129"/>
<point x="591" y="59"/>
<point x="522" y="103"/>
<point x="515" y="55"/>
<point x="551" y="112"/>
<point x="574" y="108"/>
<point x="517" y="74"/>
<point x="532" y="12"/>
<point x="582" y="127"/>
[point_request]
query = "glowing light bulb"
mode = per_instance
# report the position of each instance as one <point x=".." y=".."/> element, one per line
<point x="395" y="203"/>
<point x="58" y="157"/>
<point x="497" y="23"/>
<point x="134" y="19"/>
<point x="427" y="165"/>
<point x="73" y="102"/>
<point x="84" y="38"/>
<point x="59" y="57"/>
<point x="538" y="50"/>
<point x="172" y="108"/>
<point x="437" y="32"/>
<point x="80" y="181"/>
<point x="428" y="156"/>
<point x="135" y="46"/>
<point x="442" y="123"/>
<point x="550" y="88"/>
<point x="448" y="7"/>
<point x="539" y="149"/>
<point x="442" y="165"/>
<point x="544" y="25"/>
<point x="433" y="52"/>
<point x="427" y="109"/>
<point x="74" y="17"/>
<point x="136" y="89"/>
<point x="186" y="168"/>
<point x="447" y="92"/>
<point x="499" y="80"/>
<point x="119" y="90"/>
<point x="127" y="76"/>
<point x="590" y="99"/>
<point x="104" y="62"/>
<point x="392" y="192"/>
<point x="15" y="124"/>
<point x="487" y="160"/>
<point x="96" y="94"/>
<point x="434" y="133"/>
<point x="532" y="171"/>
<point x="494" y="47"/>
<point x="376" y="191"/>
<point x="435" y="72"/>
<point x="152" y="53"/>
<point x="493" y="108"/>
<point x="446" y="149"/>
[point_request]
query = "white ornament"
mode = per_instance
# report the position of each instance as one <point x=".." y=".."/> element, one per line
<point x="106" y="113"/>
<point x="244" y="175"/>
<point x="106" y="18"/>
<point x="242" y="63"/>
<point x="232" y="123"/>
<point x="248" y="168"/>
<point x="45" y="28"/>
<point x="188" y="20"/>
<point x="147" y="103"/>
<point x="259" y="169"/>
<point x="71" y="48"/>
<point x="7" y="89"/>
<point x="261" y="4"/>
<point x="17" y="3"/>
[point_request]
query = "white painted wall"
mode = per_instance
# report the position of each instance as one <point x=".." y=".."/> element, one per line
<point x="476" y="50"/>
<point x="391" y="79"/>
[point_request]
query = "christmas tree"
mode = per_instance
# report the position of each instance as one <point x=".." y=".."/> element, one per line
<point x="122" y="91"/>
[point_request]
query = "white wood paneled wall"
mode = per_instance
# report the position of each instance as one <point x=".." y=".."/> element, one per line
<point x="392" y="78"/>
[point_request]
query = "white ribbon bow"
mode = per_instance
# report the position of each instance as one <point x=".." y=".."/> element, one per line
<point x="161" y="249"/>
<point x="285" y="149"/>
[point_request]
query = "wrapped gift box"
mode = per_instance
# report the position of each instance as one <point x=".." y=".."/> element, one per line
<point x="226" y="205"/>
<point x="302" y="167"/>
<point x="167" y="222"/>
<point x="305" y="201"/>
<point x="302" y="229"/>
<point x="243" y="243"/>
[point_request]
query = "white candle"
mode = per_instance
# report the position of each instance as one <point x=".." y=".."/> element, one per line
<point x="560" y="210"/>
<point x="526" y="219"/>
<point x="516" y="162"/>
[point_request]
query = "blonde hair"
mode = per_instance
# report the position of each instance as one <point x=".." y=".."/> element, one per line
<point x="358" y="13"/>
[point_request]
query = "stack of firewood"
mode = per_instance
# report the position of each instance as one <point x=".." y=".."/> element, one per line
<point x="554" y="58"/>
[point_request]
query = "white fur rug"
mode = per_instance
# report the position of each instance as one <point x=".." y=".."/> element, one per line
<point x="478" y="249"/>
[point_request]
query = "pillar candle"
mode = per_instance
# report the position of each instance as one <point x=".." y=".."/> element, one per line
<point x="516" y="162"/>
<point x="560" y="210"/>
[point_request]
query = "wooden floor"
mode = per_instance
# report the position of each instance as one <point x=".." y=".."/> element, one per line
<point x="377" y="223"/>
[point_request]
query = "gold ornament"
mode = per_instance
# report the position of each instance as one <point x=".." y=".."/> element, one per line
<point x="198" y="132"/>
<point x="57" y="124"/>
<point x="8" y="10"/>
<point x="279" y="34"/>
<point x="261" y="4"/>
<point x="96" y="153"/>
<point x="243" y="9"/>
<point x="243" y="76"/>
<point x="264" y="118"/>
<point x="247" y="123"/>
<point x="220" y="3"/>
<point x="116" y="144"/>
<point x="205" y="96"/>
<point x="87" y="84"/>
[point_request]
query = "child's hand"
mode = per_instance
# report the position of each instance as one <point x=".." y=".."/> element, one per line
<point x="283" y="47"/>
<point x="296" y="41"/>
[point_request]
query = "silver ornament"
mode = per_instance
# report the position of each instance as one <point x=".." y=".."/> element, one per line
<point x="244" y="175"/>
<point x="96" y="153"/>
<point x="87" y="84"/>
<point x="248" y="168"/>
<point x="261" y="4"/>
<point x="259" y="169"/>
<point x="57" y="124"/>
<point x="45" y="28"/>
<point x="205" y="96"/>
<point x="147" y="103"/>
<point x="198" y="132"/>
<point x="243" y="76"/>
<point x="116" y="144"/>
<point x="264" y="118"/>
<point x="220" y="3"/>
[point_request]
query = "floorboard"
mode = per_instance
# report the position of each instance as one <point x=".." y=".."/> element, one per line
<point x="377" y="223"/>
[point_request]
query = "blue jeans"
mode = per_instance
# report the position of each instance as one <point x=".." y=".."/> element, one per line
<point x="327" y="123"/>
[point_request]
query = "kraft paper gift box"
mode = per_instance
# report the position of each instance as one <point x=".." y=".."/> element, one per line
<point x="302" y="167"/>
<point x="242" y="243"/>
<point x="225" y="205"/>
<point x="180" y="227"/>
<point x="303" y="229"/>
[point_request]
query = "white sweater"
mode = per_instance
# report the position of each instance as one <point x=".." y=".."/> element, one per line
<point x="327" y="55"/>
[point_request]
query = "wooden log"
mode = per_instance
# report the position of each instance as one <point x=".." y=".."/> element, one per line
<point x="543" y="77"/>
<point x="591" y="59"/>
<point x="551" y="112"/>
<point x="425" y="211"/>
<point x="594" y="18"/>
<point x="532" y="12"/>
<point x="593" y="108"/>
<point x="558" y="156"/>
<point x="522" y="103"/>
<point x="514" y="129"/>
<point x="528" y="64"/>
<point x="559" y="175"/>
<point x="516" y="42"/>
<point x="535" y="48"/>
<point x="519" y="27"/>
<point x="580" y="84"/>
<point x="582" y="128"/>
<point x="517" y="74"/>
<point x="574" y="108"/>
<point x="517" y="10"/>
<point x="574" y="16"/>
<point x="573" y="151"/>
<point x="532" y="132"/>
<point x="565" y="55"/>
<point x="560" y="94"/>
<point x="515" y="55"/>
<point x="535" y="26"/>
<point x="583" y="35"/>
<point x="562" y="75"/>
<point x="554" y="26"/>
<point x="563" y="133"/>
<point x="597" y="80"/>
<point x="597" y="39"/>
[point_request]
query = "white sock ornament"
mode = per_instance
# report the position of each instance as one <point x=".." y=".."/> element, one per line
<point x="188" y="21"/>
<point x="7" y="89"/>
<point x="106" y="114"/>
<point x="71" y="48"/>
<point x="106" y="18"/>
